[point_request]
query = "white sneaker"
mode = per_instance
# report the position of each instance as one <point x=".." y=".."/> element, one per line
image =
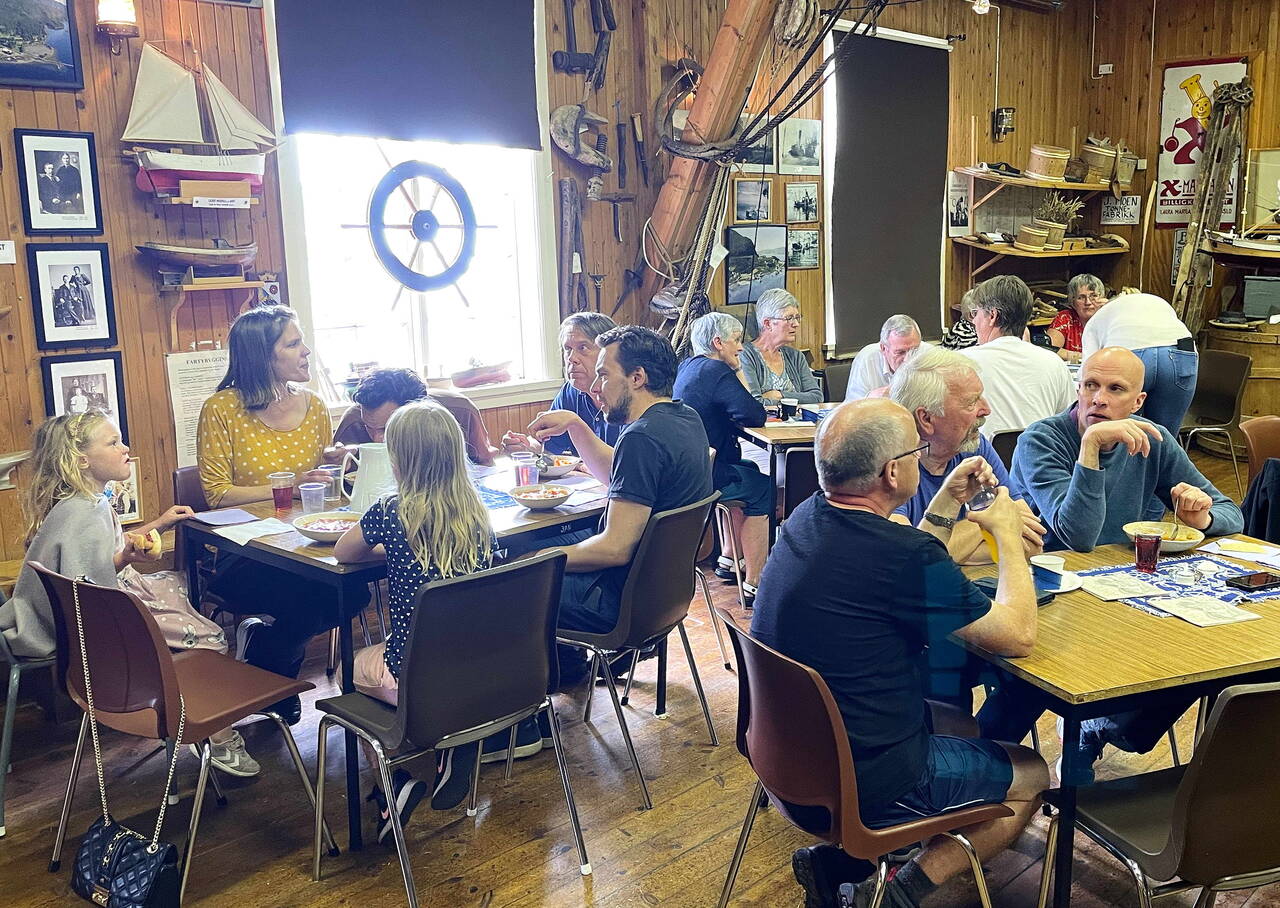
<point x="244" y="633"/>
<point x="231" y="757"/>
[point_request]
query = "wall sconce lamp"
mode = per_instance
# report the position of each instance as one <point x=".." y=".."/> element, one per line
<point x="118" y="19"/>
<point x="982" y="7"/>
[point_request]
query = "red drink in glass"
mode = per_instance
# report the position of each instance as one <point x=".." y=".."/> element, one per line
<point x="1146" y="547"/>
<point x="283" y="498"/>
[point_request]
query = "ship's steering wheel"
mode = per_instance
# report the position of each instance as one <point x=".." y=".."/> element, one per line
<point x="447" y="210"/>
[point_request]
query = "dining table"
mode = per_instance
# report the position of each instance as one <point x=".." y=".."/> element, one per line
<point x="776" y="437"/>
<point x="1095" y="658"/>
<point x="313" y="561"/>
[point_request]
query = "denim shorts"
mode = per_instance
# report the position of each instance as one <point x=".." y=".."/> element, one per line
<point x="959" y="772"/>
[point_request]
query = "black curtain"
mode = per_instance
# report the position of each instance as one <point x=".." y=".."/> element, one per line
<point x="410" y="69"/>
<point x="889" y="185"/>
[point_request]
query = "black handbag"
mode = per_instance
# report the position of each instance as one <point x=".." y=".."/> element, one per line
<point x="115" y="866"/>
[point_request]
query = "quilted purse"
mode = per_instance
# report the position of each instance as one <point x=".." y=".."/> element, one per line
<point x="115" y="866"/>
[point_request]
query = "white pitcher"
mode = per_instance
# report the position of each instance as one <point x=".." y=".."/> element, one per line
<point x="374" y="478"/>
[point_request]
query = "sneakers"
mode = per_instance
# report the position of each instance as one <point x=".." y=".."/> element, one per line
<point x="529" y="741"/>
<point x="231" y="757"/>
<point x="820" y="869"/>
<point x="409" y="794"/>
<point x="1090" y="749"/>
<point x="244" y="634"/>
<point x="453" y="776"/>
<point x="859" y="895"/>
<point x="724" y="569"/>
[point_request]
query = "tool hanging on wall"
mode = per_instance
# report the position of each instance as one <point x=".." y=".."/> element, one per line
<point x="621" y="130"/>
<point x="602" y="15"/>
<point x="615" y="199"/>
<point x="570" y="60"/>
<point x="568" y="123"/>
<point x="637" y="135"/>
<point x="573" y="294"/>
<point x="598" y="281"/>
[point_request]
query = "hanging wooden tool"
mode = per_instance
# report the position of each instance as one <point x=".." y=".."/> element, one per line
<point x="571" y="264"/>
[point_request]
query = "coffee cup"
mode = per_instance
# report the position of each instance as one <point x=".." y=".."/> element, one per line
<point x="790" y="407"/>
<point x="1047" y="570"/>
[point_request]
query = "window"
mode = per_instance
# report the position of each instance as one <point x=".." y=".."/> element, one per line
<point x="360" y="314"/>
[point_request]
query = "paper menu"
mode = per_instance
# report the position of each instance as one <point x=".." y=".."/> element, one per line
<point x="244" y="532"/>
<point x="1109" y="587"/>
<point x="1203" y="611"/>
<point x="1267" y="555"/>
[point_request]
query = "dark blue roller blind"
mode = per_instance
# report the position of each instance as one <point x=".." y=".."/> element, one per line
<point x="437" y="70"/>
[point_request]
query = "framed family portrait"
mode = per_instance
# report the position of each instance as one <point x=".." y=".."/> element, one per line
<point x="802" y="248"/>
<point x="752" y="200"/>
<point x="71" y="295"/>
<point x="802" y="203"/>
<point x="125" y="500"/>
<point x="58" y="176"/>
<point x="41" y="45"/>
<point x="78" y="382"/>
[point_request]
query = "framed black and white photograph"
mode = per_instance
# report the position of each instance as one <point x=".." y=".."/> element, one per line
<point x="959" y="220"/>
<point x="761" y="156"/>
<point x="802" y="248"/>
<point x="757" y="261"/>
<point x="71" y="295"/>
<point x="802" y="203"/>
<point x="78" y="382"/>
<point x="58" y="175"/>
<point x="800" y="147"/>
<point x="39" y="45"/>
<point x="752" y="200"/>
<point x="125" y="500"/>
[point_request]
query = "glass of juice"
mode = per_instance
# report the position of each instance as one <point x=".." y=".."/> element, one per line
<point x="525" y="467"/>
<point x="1146" y="549"/>
<point x="282" y="490"/>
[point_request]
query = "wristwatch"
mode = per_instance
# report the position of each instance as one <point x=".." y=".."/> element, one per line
<point x="938" y="520"/>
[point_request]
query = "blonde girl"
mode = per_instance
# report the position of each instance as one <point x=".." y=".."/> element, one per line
<point x="434" y="528"/>
<point x="71" y="528"/>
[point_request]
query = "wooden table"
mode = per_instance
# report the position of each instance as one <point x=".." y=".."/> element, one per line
<point x="776" y="438"/>
<point x="1095" y="658"/>
<point x="314" y="561"/>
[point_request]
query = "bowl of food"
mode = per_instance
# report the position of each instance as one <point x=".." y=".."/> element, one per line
<point x="541" y="496"/>
<point x="1174" y="537"/>
<point x="553" y="466"/>
<point x="326" y="526"/>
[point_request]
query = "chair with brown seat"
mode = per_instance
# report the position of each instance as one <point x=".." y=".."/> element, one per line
<point x="1261" y="441"/>
<point x="140" y="687"/>
<point x="1215" y="408"/>
<point x="655" y="601"/>
<point x="791" y="732"/>
<point x="1211" y="824"/>
<point x="480" y="658"/>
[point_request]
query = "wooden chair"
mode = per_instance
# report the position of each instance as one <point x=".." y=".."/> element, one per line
<point x="1261" y="441"/>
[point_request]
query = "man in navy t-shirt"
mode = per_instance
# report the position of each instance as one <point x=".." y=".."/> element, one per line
<point x="860" y="599"/>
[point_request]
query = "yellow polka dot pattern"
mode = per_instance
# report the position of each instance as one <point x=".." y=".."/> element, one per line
<point x="235" y="448"/>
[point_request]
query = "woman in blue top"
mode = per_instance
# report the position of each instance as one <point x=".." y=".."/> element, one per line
<point x="775" y="369"/>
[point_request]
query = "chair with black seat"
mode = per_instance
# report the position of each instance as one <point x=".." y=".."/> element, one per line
<point x="655" y="600"/>
<point x="1005" y="443"/>
<point x="791" y="732"/>
<point x="1211" y="824"/>
<point x="799" y="478"/>
<point x="480" y="658"/>
<point x="140" y="688"/>
<point x="837" y="379"/>
<point x="1261" y="442"/>
<point x="1215" y="408"/>
<point x="17" y="668"/>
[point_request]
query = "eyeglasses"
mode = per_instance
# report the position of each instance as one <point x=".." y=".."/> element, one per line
<point x="918" y="452"/>
<point x="794" y="319"/>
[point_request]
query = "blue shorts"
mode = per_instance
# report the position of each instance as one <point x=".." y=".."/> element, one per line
<point x="959" y="772"/>
<point x="748" y="485"/>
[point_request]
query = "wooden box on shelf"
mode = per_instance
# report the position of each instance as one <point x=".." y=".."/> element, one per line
<point x="1073" y="243"/>
<point x="215" y="189"/>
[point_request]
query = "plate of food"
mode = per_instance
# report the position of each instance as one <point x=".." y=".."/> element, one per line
<point x="553" y="466"/>
<point x="326" y="526"/>
<point x="541" y="496"/>
<point x="1174" y="537"/>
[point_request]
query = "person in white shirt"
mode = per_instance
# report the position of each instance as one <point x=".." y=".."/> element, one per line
<point x="1147" y="325"/>
<point x="875" y="364"/>
<point x="1024" y="383"/>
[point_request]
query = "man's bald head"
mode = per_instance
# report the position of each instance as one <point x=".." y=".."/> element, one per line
<point x="1110" y="386"/>
<point x="857" y="439"/>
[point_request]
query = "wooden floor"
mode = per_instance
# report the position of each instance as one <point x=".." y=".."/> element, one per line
<point x="518" y="850"/>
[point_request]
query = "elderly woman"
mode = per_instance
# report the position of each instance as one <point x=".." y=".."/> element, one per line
<point x="262" y="421"/>
<point x="1085" y="296"/>
<point x="712" y="383"/>
<point x="774" y="369"/>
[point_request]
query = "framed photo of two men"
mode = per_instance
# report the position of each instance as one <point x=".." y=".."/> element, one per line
<point x="58" y="176"/>
<point x="71" y="295"/>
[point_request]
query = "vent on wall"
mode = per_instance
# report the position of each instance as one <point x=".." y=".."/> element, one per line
<point x="1044" y="6"/>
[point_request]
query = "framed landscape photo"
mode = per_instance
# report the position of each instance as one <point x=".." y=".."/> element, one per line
<point x="39" y="45"/>
<point x="757" y="261"/>
<point x="71" y="294"/>
<point x="58" y="176"/>
<point x="800" y="147"/>
<point x="752" y="199"/>
<point x="802" y="248"/>
<point x="802" y="203"/>
<point x="761" y="156"/>
<point x="125" y="500"/>
<point x="78" y="382"/>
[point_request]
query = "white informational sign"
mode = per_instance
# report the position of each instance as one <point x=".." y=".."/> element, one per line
<point x="1180" y="240"/>
<point x="202" y="201"/>
<point x="959" y="222"/>
<point x="1124" y="210"/>
<point x="193" y="377"/>
<point x="1185" y="106"/>
<point x="8" y="253"/>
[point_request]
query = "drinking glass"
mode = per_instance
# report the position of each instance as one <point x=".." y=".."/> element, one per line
<point x="1146" y="550"/>
<point x="333" y="487"/>
<point x="980" y="502"/>
<point x="790" y="407"/>
<point x="282" y="489"/>
<point x="312" y="496"/>
<point x="526" y="468"/>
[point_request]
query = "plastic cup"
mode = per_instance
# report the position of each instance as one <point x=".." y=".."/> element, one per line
<point x="526" y="468"/>
<point x="1047" y="570"/>
<point x="312" y="496"/>
<point x="1146" y="551"/>
<point x="790" y="407"/>
<point x="282" y="489"/>
<point x="334" y="484"/>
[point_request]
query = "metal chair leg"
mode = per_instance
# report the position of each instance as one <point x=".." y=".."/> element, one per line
<point x="194" y="825"/>
<point x="472" y="808"/>
<point x="1206" y="899"/>
<point x="584" y="864"/>
<point x="333" y="653"/>
<point x="6" y="737"/>
<point x="218" y="797"/>
<point x="364" y="628"/>
<point x="626" y="734"/>
<point x="726" y="527"/>
<point x="397" y="829"/>
<point x="979" y="878"/>
<point x="377" y="604"/>
<point x="591" y="683"/>
<point x="631" y="677"/>
<point x="1046" y="870"/>
<point x="1140" y="883"/>
<point x="882" y="881"/>
<point x="302" y="775"/>
<point x="321" y="766"/>
<point x="511" y="752"/>
<point x="1173" y="747"/>
<point x="1235" y="463"/>
<point x="697" y="684"/>
<point x="1202" y="714"/>
<point x="741" y="849"/>
<point x="1035" y="739"/>
<point x="715" y="625"/>
<point x="55" y="861"/>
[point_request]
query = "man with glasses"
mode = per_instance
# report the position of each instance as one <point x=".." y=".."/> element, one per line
<point x="874" y="366"/>
<point x="863" y="600"/>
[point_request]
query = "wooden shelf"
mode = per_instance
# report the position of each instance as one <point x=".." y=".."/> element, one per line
<point x="1008" y="249"/>
<point x="993" y="177"/>
<point x="178" y="295"/>
<point x="181" y="200"/>
<point x="232" y="285"/>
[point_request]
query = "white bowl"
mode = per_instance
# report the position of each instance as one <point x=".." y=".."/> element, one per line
<point x="1188" y="537"/>
<point x="561" y="469"/>
<point x="303" y="524"/>
<point x="541" y="504"/>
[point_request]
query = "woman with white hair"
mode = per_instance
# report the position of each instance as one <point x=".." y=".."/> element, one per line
<point x="712" y="383"/>
<point x="1086" y="294"/>
<point x="772" y="367"/>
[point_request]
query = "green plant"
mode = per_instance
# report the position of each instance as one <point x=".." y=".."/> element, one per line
<point x="1058" y="210"/>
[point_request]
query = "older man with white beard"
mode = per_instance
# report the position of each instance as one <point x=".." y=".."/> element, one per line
<point x="944" y="393"/>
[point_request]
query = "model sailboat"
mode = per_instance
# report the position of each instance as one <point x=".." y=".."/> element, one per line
<point x="166" y="110"/>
